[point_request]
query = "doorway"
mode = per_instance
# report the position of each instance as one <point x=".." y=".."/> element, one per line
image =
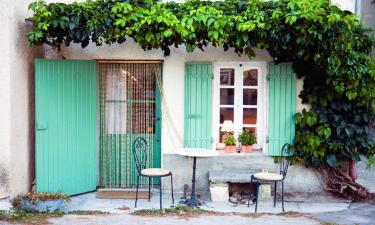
<point x="129" y="107"/>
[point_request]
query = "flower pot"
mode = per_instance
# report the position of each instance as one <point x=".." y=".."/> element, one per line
<point x="42" y="206"/>
<point x="230" y="149"/>
<point x="247" y="148"/>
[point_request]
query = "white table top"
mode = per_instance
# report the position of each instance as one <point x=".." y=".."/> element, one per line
<point x="196" y="152"/>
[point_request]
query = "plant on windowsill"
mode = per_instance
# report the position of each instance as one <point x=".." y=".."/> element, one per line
<point x="230" y="143"/>
<point x="40" y="201"/>
<point x="247" y="138"/>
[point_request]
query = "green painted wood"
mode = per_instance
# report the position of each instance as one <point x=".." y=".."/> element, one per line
<point x="198" y="105"/>
<point x="65" y="111"/>
<point x="282" y="107"/>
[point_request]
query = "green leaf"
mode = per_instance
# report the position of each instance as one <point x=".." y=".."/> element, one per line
<point x="168" y="33"/>
<point x="327" y="132"/>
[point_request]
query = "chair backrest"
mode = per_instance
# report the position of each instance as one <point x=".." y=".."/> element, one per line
<point x="285" y="160"/>
<point x="140" y="153"/>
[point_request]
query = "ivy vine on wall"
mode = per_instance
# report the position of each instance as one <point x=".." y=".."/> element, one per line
<point x="329" y="48"/>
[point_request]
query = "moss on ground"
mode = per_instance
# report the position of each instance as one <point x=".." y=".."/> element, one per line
<point x="38" y="218"/>
<point x="179" y="210"/>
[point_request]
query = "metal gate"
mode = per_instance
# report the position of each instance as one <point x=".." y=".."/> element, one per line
<point x="129" y="108"/>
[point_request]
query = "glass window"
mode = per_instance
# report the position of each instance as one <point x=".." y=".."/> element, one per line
<point x="249" y="116"/>
<point x="250" y="96"/>
<point x="227" y="96"/>
<point x="227" y="77"/>
<point x="250" y="77"/>
<point x="226" y="114"/>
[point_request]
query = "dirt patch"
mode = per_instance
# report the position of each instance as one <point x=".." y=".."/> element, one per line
<point x="124" y="208"/>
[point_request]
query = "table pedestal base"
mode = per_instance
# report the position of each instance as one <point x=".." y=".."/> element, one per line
<point x="192" y="202"/>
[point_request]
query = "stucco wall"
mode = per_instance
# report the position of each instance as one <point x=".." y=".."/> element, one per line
<point x="345" y="4"/>
<point x="16" y="95"/>
<point x="4" y="100"/>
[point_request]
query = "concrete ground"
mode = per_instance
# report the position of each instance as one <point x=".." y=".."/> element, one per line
<point x="311" y="209"/>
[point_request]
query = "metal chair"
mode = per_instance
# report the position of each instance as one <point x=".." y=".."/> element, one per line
<point x="140" y="157"/>
<point x="269" y="178"/>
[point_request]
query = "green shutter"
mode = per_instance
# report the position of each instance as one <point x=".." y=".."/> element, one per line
<point x="198" y="105"/>
<point x="282" y="107"/>
<point x="66" y="132"/>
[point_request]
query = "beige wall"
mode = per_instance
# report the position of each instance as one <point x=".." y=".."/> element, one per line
<point x="16" y="95"/>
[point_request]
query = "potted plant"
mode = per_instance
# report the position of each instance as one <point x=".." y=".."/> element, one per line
<point x="247" y="138"/>
<point x="230" y="143"/>
<point x="40" y="201"/>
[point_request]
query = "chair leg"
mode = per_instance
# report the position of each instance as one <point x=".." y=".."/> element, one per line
<point x="257" y="199"/>
<point x="282" y="194"/>
<point x="136" y="193"/>
<point x="149" y="188"/>
<point x="172" y="189"/>
<point x="248" y="198"/>
<point x="161" y="197"/>
<point x="274" y="197"/>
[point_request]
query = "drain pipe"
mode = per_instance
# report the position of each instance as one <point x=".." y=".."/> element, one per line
<point x="358" y="7"/>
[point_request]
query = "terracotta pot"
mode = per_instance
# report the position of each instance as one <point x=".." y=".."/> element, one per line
<point x="230" y="149"/>
<point x="247" y="148"/>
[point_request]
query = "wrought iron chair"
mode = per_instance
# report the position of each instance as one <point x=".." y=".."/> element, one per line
<point x="269" y="178"/>
<point x="140" y="157"/>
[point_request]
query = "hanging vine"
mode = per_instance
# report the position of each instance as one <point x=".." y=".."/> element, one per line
<point x="329" y="48"/>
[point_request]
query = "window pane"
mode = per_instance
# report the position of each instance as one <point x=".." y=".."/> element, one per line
<point x="226" y="114"/>
<point x="226" y="96"/>
<point x="221" y="136"/>
<point x="226" y="76"/>
<point x="250" y="96"/>
<point x="249" y="116"/>
<point x="250" y="77"/>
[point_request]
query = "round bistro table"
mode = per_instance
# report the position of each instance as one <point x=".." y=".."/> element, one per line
<point x="195" y="153"/>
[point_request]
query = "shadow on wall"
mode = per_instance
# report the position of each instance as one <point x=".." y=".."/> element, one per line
<point x="4" y="184"/>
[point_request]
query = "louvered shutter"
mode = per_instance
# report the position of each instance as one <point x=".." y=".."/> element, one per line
<point x="282" y="107"/>
<point x="198" y="105"/>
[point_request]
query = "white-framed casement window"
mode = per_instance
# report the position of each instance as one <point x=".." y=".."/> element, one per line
<point x="239" y="96"/>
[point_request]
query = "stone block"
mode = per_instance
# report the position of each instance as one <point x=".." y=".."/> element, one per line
<point x="219" y="192"/>
<point x="264" y="192"/>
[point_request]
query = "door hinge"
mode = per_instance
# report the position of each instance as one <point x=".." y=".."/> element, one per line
<point x="267" y="139"/>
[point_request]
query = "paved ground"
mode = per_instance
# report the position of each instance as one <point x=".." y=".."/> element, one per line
<point x="312" y="209"/>
<point x="127" y="219"/>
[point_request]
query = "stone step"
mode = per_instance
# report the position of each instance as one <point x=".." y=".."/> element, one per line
<point x="244" y="162"/>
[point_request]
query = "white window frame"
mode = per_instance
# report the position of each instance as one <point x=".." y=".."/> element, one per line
<point x="262" y="100"/>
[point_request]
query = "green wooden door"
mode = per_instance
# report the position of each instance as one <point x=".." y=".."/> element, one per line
<point x="66" y="132"/>
<point x="198" y="105"/>
<point x="282" y="107"/>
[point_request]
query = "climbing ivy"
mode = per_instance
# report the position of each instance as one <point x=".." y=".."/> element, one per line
<point x="330" y="49"/>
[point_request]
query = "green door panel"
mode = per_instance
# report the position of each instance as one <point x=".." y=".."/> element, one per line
<point x="282" y="107"/>
<point x="66" y="131"/>
<point x="198" y="105"/>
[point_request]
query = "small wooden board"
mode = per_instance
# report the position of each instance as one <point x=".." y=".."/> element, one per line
<point x="121" y="194"/>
